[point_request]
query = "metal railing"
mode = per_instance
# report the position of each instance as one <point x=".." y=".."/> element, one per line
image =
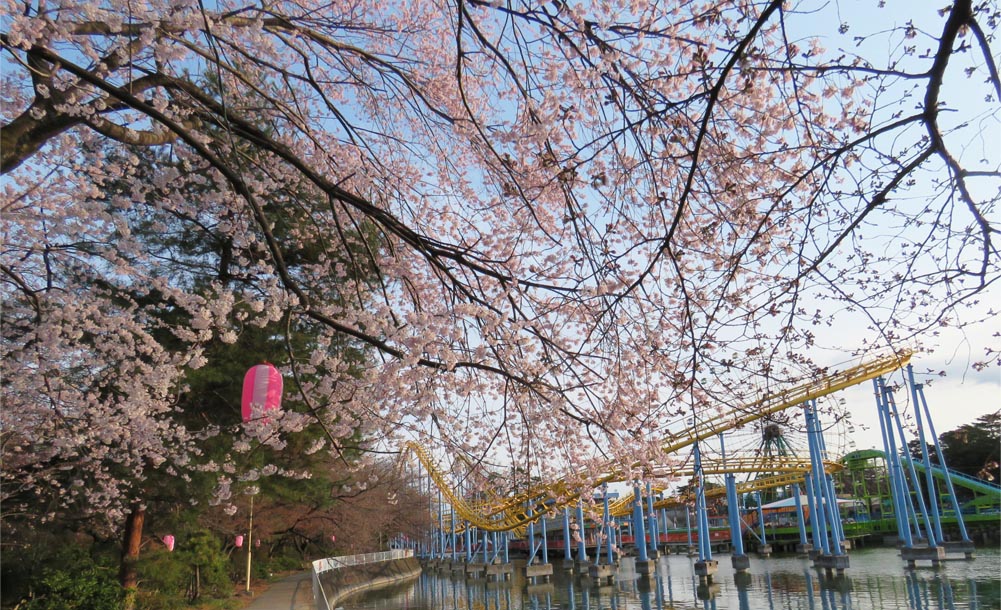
<point x="334" y="563"/>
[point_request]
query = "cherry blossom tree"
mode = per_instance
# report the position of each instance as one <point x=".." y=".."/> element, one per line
<point x="583" y="222"/>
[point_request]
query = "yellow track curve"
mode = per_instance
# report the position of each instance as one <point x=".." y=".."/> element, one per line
<point x="512" y="512"/>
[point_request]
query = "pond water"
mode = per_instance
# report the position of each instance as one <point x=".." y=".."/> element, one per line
<point x="876" y="580"/>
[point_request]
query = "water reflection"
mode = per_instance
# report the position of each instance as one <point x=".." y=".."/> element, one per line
<point x="876" y="580"/>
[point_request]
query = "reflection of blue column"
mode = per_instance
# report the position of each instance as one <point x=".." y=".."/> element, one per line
<point x="639" y="529"/>
<point x="809" y="587"/>
<point x="768" y="587"/>
<point x="799" y="514"/>
<point x="742" y="600"/>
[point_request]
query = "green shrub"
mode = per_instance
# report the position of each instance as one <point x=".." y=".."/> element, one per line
<point x="196" y="570"/>
<point x="81" y="585"/>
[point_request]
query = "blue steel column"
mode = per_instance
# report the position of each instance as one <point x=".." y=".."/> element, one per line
<point x="531" y="538"/>
<point x="814" y="487"/>
<point x="799" y="515"/>
<point x="829" y="480"/>
<point x="930" y="486"/>
<point x="566" y="533"/>
<point x="761" y="517"/>
<point x="441" y="527"/>
<point x="733" y="514"/>
<point x="582" y="545"/>
<point x="652" y="515"/>
<point x="945" y="468"/>
<point x="900" y="487"/>
<point x="545" y="542"/>
<point x="827" y="486"/>
<point x="899" y="512"/>
<point x="817" y="472"/>
<point x="607" y="525"/>
<point x="688" y="525"/>
<point x="892" y="405"/>
<point x="732" y="506"/>
<point x="639" y="529"/>
<point x="812" y="503"/>
<point x="701" y="511"/>
<point x="468" y="542"/>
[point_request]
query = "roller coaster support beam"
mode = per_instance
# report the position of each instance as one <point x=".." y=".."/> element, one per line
<point x="688" y="527"/>
<point x="663" y="521"/>
<point x="827" y="486"/>
<point x="566" y="537"/>
<point x="545" y="538"/>
<point x="814" y="486"/>
<point x="827" y="505"/>
<point x="441" y="529"/>
<point x="740" y="561"/>
<point x="607" y="533"/>
<point x="834" y="557"/>
<point x="467" y="536"/>
<point x="941" y="461"/>
<point x="639" y="528"/>
<point x="706" y="566"/>
<point x="891" y="404"/>
<point x="804" y="546"/>
<point x="582" y="545"/>
<point x="811" y="500"/>
<point x="766" y="549"/>
<point x="652" y="525"/>
<point x="898" y="485"/>
<point x="930" y="486"/>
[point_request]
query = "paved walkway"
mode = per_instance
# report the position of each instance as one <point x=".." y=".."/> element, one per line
<point x="292" y="593"/>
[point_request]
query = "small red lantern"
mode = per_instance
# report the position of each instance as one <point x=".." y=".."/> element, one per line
<point x="333" y="538"/>
<point x="239" y="541"/>
<point x="168" y="541"/>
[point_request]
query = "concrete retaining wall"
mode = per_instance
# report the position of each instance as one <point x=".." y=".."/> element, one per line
<point x="339" y="583"/>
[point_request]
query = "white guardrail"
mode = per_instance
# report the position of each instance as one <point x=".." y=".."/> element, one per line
<point x="335" y="563"/>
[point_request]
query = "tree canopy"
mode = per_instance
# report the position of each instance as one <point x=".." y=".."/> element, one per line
<point x="545" y="231"/>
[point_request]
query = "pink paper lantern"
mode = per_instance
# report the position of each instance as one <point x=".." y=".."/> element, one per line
<point x="333" y="538"/>
<point x="262" y="391"/>
<point x="257" y="542"/>
<point x="239" y="541"/>
<point x="168" y="541"/>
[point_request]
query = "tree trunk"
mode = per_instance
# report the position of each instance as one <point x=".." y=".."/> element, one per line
<point x="130" y="554"/>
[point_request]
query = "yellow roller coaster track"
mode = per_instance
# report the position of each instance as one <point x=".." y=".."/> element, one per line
<point x="516" y="511"/>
